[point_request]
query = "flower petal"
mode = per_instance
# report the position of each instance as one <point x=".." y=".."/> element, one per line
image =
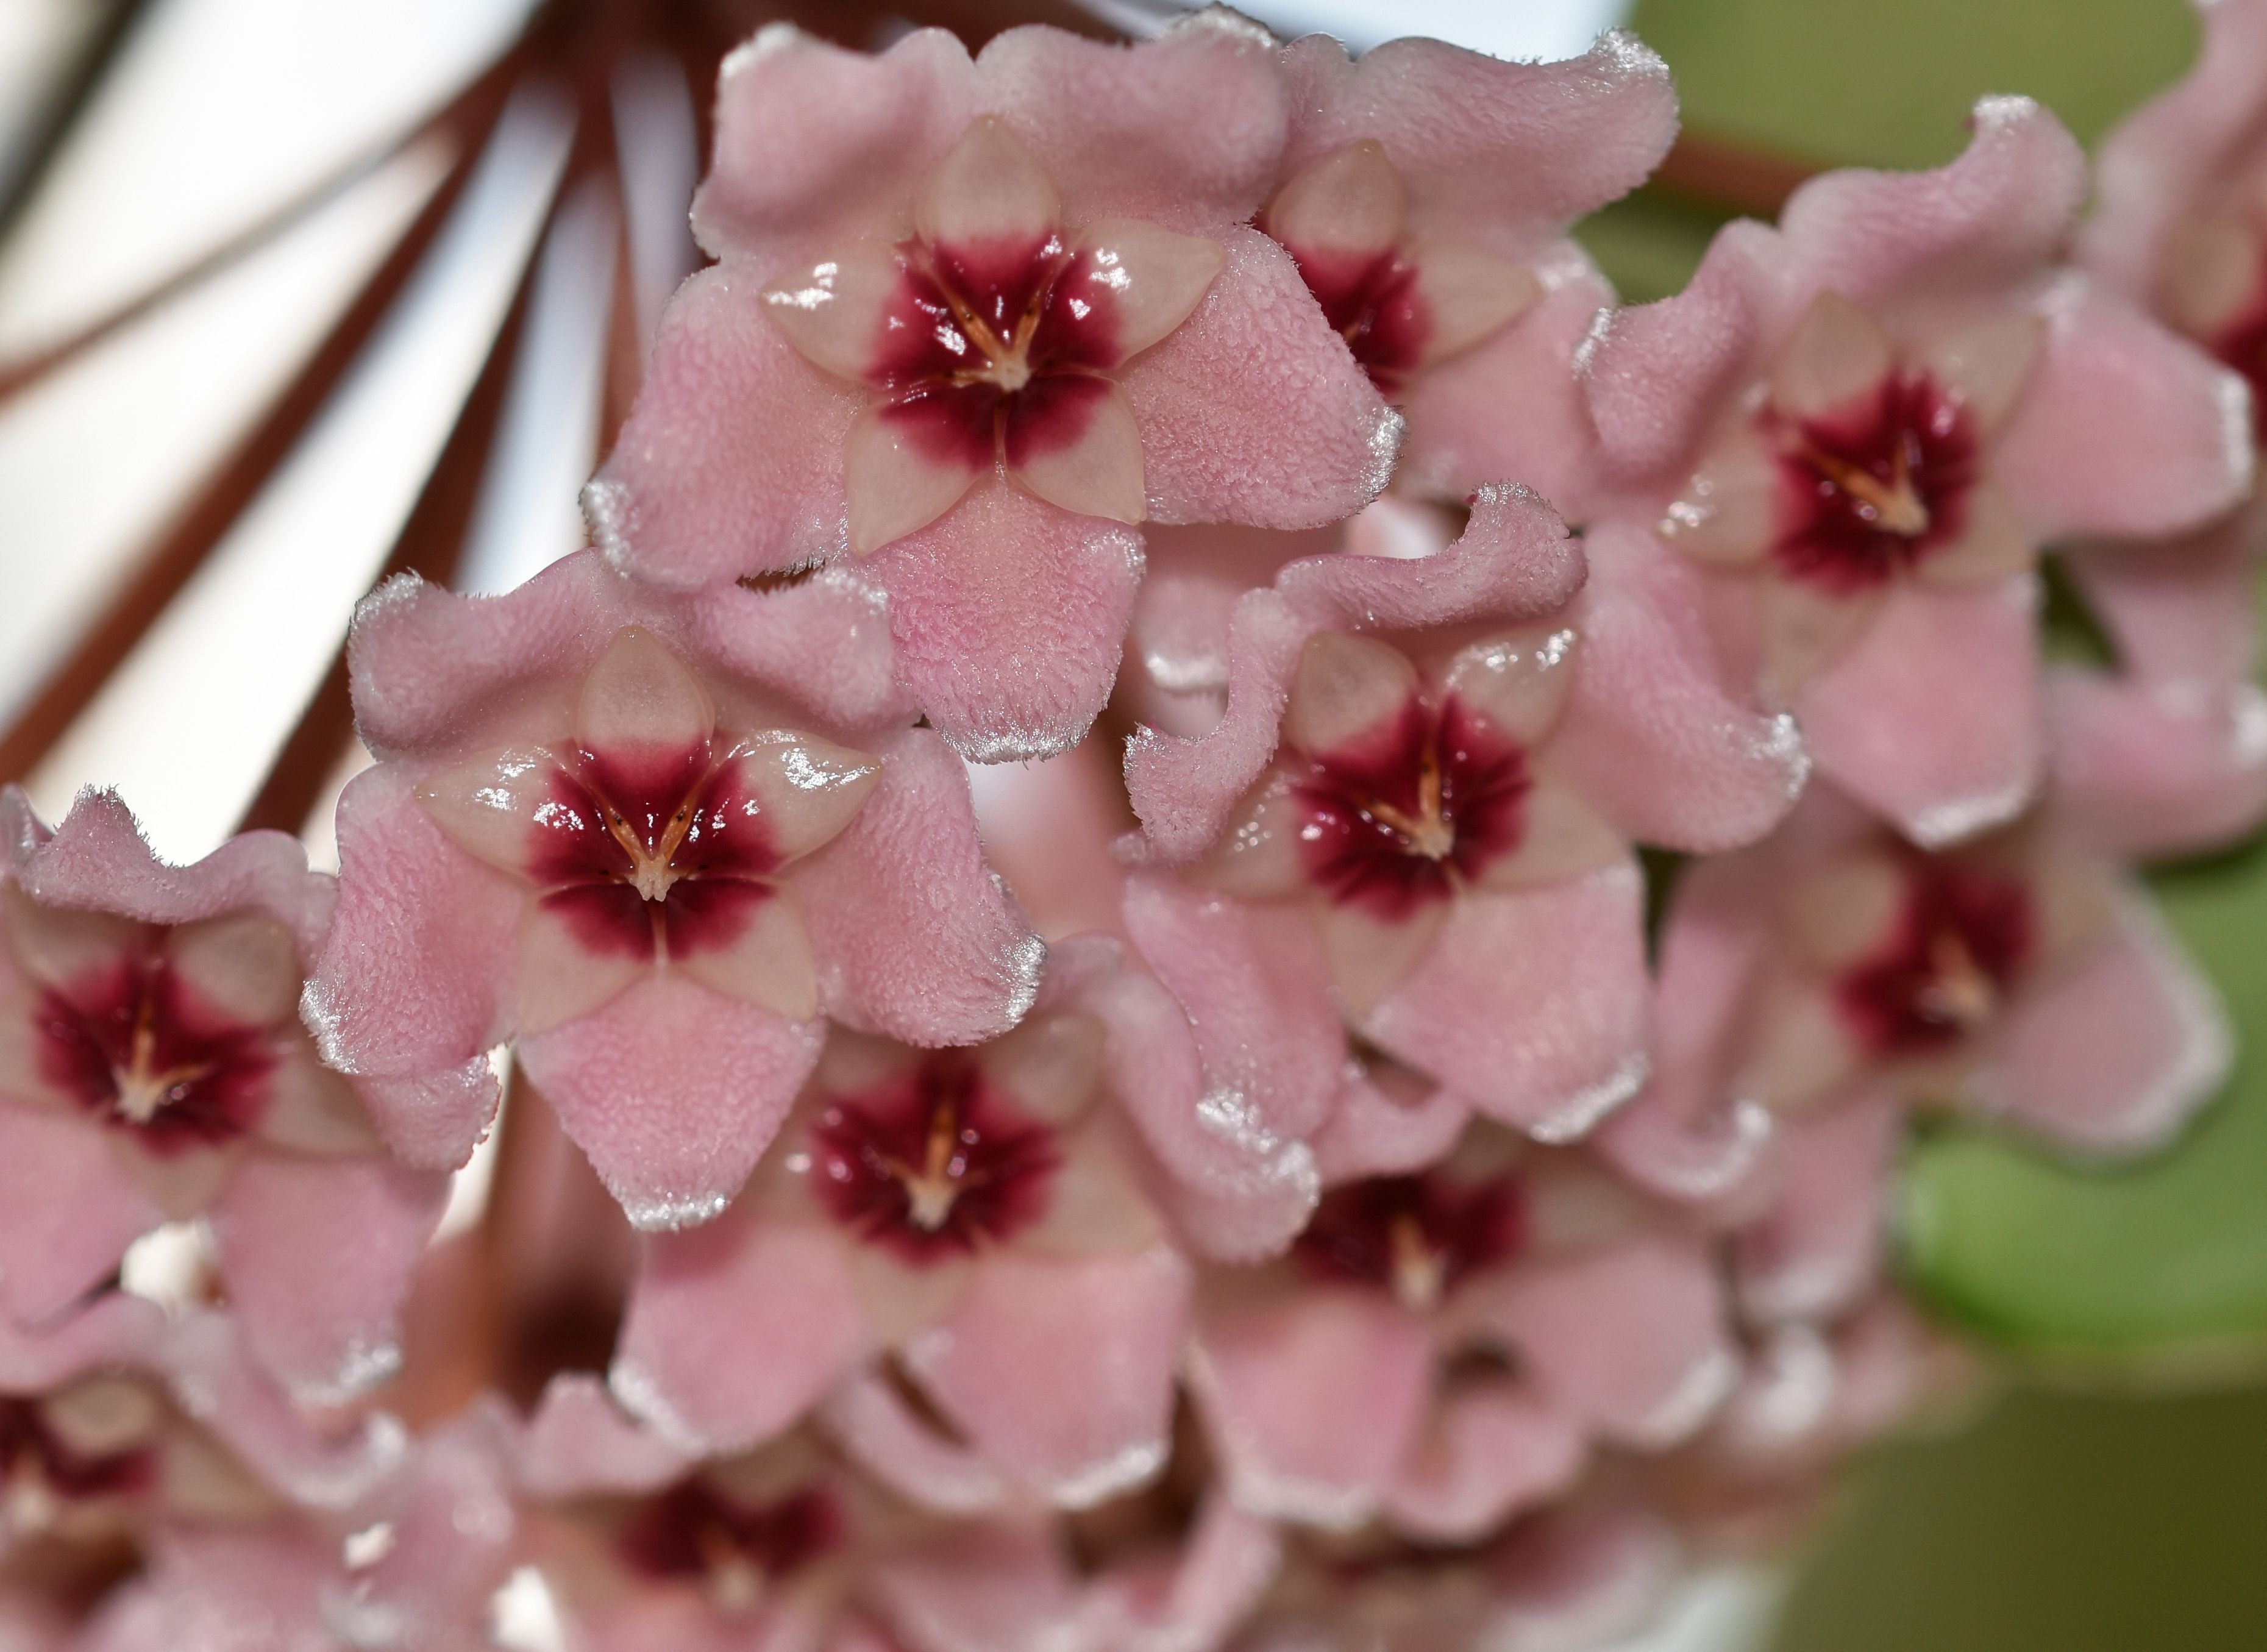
<point x="1630" y="1339"/>
<point x="1467" y="294"/>
<point x="1345" y="688"/>
<point x="1071" y="440"/>
<point x="673" y="1092"/>
<point x="2115" y="1055"/>
<point x="1370" y="957"/>
<point x="1517" y="681"/>
<point x="1532" y="1005"/>
<point x="580" y="1441"/>
<point x="873" y="1422"/>
<point x="68" y="1211"/>
<point x="245" y="965"/>
<point x="1009" y="618"/>
<point x="1727" y="515"/>
<point x="732" y="459"/>
<point x="640" y="699"/>
<point x="1489" y="1452"/>
<point x="2125" y="430"/>
<point x="1561" y="837"/>
<point x="996" y="1367"/>
<point x="317" y="1254"/>
<point x="839" y="311"/>
<point x="2147" y="770"/>
<point x="1315" y="1402"/>
<point x="1988" y="364"/>
<point x="1818" y="1250"/>
<point x="1128" y="284"/>
<point x="751" y="946"/>
<point x="908" y="462"/>
<point x="739" y="1328"/>
<point x="1994" y="543"/>
<point x="1932" y="717"/>
<point x="1253" y="410"/>
<point x="578" y="949"/>
<point x="113" y="1330"/>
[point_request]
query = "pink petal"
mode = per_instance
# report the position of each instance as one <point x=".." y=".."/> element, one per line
<point x="1346" y="687"/>
<point x="216" y="1380"/>
<point x="113" y="1330"/>
<point x="1653" y="736"/>
<point x="2157" y="167"/>
<point x="979" y="1587"/>
<point x="1071" y="441"/>
<point x="1988" y="220"/>
<point x="638" y="696"/>
<point x="1933" y="718"/>
<point x="1819" y="1248"/>
<point x="1530" y="148"/>
<point x="1489" y="1452"/>
<point x="1060" y="1371"/>
<point x="1254" y="411"/>
<point x="1513" y="405"/>
<point x="1141" y="280"/>
<point x="1224" y="1564"/>
<point x="2147" y="770"/>
<point x="872" y="1421"/>
<point x="735" y="1330"/>
<point x="906" y="462"/>
<point x="1314" y="1402"/>
<point x="433" y="1120"/>
<point x="1009" y="617"/>
<point x="97" y="860"/>
<point x="317" y="1254"/>
<point x="673" y="1092"/>
<point x="761" y="955"/>
<point x="2179" y="609"/>
<point x="579" y="1441"/>
<point x="1343" y="209"/>
<point x="1183" y="131"/>
<point x="1226" y="1076"/>
<point x="1195" y="575"/>
<point x="815" y="144"/>
<point x="1531" y="1006"/>
<point x="913" y="937"/>
<point x="1630" y="1339"/>
<point x="1584" y="1577"/>
<point x="1837" y="353"/>
<point x="835" y="311"/>
<point x="2116" y="1055"/>
<point x="2125" y="428"/>
<point x="69" y="1207"/>
<point x="1374" y="1130"/>
<point x="732" y="461"/>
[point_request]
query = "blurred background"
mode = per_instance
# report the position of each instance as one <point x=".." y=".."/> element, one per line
<point x="294" y="293"/>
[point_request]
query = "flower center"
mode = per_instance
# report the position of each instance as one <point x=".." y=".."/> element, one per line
<point x="134" y="1048"/>
<point x="1870" y="492"/>
<point x="1963" y="937"/>
<point x="737" y="1549"/>
<point x="936" y="1164"/>
<point x="1415" y="1235"/>
<point x="39" y="1473"/>
<point x="1395" y="821"/>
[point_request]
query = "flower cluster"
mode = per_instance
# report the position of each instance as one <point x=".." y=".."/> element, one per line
<point x="1071" y="859"/>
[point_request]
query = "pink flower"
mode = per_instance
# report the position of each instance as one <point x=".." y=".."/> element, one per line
<point x="1448" y="1340"/>
<point x="1862" y="425"/>
<point x="973" y="1221"/>
<point x="156" y="1070"/>
<point x="974" y="320"/>
<point x="1437" y="248"/>
<point x="655" y="839"/>
<point x="1425" y="784"/>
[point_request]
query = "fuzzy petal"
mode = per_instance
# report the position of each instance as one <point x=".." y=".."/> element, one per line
<point x="317" y="1255"/>
<point x="1630" y="1339"/>
<point x="673" y="1092"/>
<point x="1532" y="1006"/>
<point x="1933" y="718"/>
<point x="2113" y="1057"/>
<point x="113" y="1330"/>
<point x="732" y="461"/>
<point x="2148" y="770"/>
<point x="1061" y="1372"/>
<point x="913" y="935"/>
<point x="1521" y="149"/>
<point x="737" y="1329"/>
<point x="1489" y="1452"/>
<point x="1653" y="738"/>
<point x="1314" y="1402"/>
<point x="68" y="1210"/>
<point x="2124" y="429"/>
<point x="1253" y="410"/>
<point x="1009" y="616"/>
<point x="580" y="1441"/>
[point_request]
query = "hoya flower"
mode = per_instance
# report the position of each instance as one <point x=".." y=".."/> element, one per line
<point x="1437" y="248"/>
<point x="1863" y="424"/>
<point x="641" y="1544"/>
<point x="413" y="1565"/>
<point x="658" y="841"/>
<point x="970" y="1222"/>
<point x="153" y="1069"/>
<point x="1588" y="1576"/>
<point x="1448" y="1340"/>
<point x="973" y="321"/>
<point x="1425" y="783"/>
